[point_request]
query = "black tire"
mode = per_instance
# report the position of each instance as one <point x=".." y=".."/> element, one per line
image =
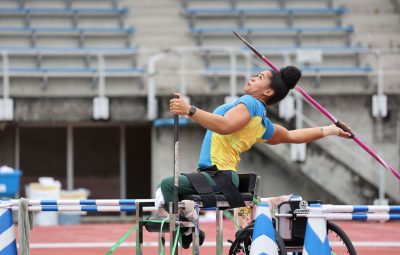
<point x="332" y="227"/>
<point x="244" y="238"/>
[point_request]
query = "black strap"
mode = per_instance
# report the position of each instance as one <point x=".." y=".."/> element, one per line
<point x="202" y="186"/>
<point x="230" y="191"/>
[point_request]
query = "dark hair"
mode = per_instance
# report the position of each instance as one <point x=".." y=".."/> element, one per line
<point x="282" y="82"/>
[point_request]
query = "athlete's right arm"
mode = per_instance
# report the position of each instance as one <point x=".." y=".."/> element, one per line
<point x="304" y="135"/>
<point x="234" y="120"/>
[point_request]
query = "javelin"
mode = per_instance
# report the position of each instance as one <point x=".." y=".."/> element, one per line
<point x="325" y="112"/>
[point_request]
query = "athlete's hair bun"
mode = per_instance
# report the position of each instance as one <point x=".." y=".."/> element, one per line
<point x="290" y="75"/>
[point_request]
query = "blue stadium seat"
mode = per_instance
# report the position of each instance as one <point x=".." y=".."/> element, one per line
<point x="62" y="50"/>
<point x="73" y="72"/>
<point x="272" y="30"/>
<point x="65" y="30"/>
<point x="80" y="33"/>
<point x="233" y="3"/>
<point x="62" y="11"/>
<point x="242" y="12"/>
<point x="298" y="31"/>
<point x="254" y="11"/>
<point x="307" y="70"/>
<point x="68" y="3"/>
<point x="324" y="49"/>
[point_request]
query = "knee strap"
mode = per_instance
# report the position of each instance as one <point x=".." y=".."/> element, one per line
<point x="230" y="191"/>
<point x="203" y="188"/>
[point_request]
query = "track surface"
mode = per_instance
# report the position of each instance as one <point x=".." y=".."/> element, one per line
<point x="92" y="239"/>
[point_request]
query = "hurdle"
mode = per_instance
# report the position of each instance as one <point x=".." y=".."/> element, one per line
<point x="7" y="234"/>
<point x="353" y="213"/>
<point x="316" y="242"/>
<point x="89" y="205"/>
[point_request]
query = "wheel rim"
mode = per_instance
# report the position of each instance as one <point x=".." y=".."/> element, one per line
<point x="338" y="246"/>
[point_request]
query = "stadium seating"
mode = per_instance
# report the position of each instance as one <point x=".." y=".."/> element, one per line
<point x="280" y="29"/>
<point x="73" y="15"/>
<point x="64" y="39"/>
<point x="280" y="3"/>
<point x="297" y="33"/>
<point x="241" y="13"/>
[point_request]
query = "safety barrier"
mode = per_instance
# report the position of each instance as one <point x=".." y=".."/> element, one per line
<point x="316" y="241"/>
<point x="100" y="205"/>
<point x="7" y="235"/>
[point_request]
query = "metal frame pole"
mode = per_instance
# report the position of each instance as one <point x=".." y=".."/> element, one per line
<point x="70" y="157"/>
<point x="151" y="85"/>
<point x="122" y="164"/>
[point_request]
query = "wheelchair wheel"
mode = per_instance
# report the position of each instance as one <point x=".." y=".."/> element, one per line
<point x="242" y="243"/>
<point x="339" y="241"/>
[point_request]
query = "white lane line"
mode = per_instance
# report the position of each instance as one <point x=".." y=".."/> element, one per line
<point x="394" y="244"/>
<point x="106" y="245"/>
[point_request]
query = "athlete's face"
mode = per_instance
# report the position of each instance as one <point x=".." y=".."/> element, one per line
<point x="259" y="86"/>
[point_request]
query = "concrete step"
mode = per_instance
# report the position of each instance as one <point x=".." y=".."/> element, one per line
<point x="378" y="40"/>
<point x="365" y="23"/>
<point x="368" y="6"/>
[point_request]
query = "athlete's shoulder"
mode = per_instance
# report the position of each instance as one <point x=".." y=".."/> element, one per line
<point x="247" y="98"/>
<point x="254" y="105"/>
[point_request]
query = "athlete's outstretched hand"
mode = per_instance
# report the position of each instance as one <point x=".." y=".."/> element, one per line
<point x="334" y="130"/>
<point x="178" y="106"/>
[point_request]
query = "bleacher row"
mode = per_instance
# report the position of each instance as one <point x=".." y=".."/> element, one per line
<point x="65" y="39"/>
<point x="285" y="27"/>
<point x="77" y="31"/>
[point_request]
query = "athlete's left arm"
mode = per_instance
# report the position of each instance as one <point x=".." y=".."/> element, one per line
<point x="304" y="135"/>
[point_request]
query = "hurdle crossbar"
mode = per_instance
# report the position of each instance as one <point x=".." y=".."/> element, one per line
<point x="99" y="202"/>
<point x="361" y="208"/>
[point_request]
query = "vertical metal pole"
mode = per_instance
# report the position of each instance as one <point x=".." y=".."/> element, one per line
<point x="381" y="185"/>
<point x="219" y="226"/>
<point x="286" y="58"/>
<point x="139" y="231"/>
<point x="70" y="157"/>
<point x="247" y="56"/>
<point x="195" y="234"/>
<point x="151" y="85"/>
<point x="17" y="148"/>
<point x="298" y="149"/>
<point x="299" y="111"/>
<point x="4" y="114"/>
<point x="174" y="213"/>
<point x="233" y="74"/>
<point x="381" y="73"/>
<point x="122" y="164"/>
<point x="151" y="93"/>
<point x="101" y="74"/>
<point x="6" y="84"/>
<point x="379" y="129"/>
<point x="176" y="162"/>
<point x="379" y="124"/>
